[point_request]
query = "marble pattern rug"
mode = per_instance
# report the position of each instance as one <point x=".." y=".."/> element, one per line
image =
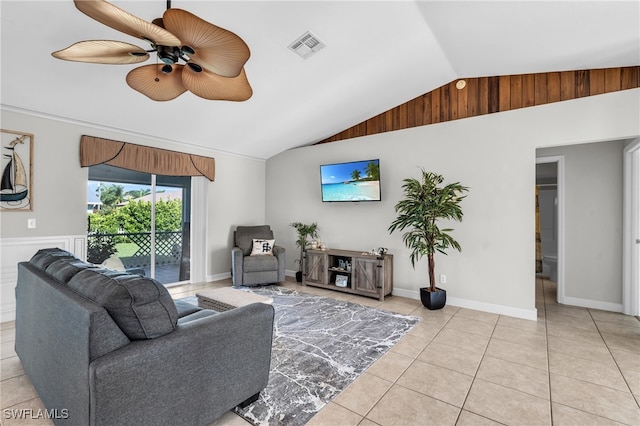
<point x="320" y="346"/>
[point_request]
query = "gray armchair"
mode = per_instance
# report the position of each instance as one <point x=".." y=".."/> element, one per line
<point x="254" y="270"/>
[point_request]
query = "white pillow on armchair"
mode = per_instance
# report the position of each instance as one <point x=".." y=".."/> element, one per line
<point x="262" y="247"/>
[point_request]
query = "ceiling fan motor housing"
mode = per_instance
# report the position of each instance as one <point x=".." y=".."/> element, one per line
<point x="168" y="54"/>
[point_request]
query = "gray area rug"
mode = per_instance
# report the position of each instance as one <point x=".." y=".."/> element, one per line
<point x="320" y="346"/>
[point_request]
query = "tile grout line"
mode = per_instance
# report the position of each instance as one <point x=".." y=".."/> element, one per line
<point x="395" y="382"/>
<point x="584" y="381"/>
<point x="475" y="375"/>
<point x="546" y="334"/>
<point x="626" y="382"/>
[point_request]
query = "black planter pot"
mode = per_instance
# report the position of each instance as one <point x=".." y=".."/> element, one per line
<point x="299" y="276"/>
<point x="433" y="299"/>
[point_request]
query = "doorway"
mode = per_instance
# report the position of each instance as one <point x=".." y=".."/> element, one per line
<point x="143" y="223"/>
<point x="550" y="190"/>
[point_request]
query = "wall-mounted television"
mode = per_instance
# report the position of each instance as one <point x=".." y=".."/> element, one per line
<point x="352" y="181"/>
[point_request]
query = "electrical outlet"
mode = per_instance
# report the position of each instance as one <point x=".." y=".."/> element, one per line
<point x="443" y="279"/>
<point x="31" y="223"/>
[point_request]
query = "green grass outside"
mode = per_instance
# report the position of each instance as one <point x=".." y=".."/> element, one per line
<point x="126" y="249"/>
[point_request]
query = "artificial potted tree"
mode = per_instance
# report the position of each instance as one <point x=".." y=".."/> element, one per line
<point x="425" y="203"/>
<point x="304" y="232"/>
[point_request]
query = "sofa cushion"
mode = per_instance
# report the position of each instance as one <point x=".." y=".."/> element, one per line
<point x="142" y="307"/>
<point x="46" y="257"/>
<point x="260" y="263"/>
<point x="185" y="308"/>
<point x="65" y="268"/>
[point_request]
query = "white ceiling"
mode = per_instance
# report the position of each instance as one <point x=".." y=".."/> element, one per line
<point x="378" y="55"/>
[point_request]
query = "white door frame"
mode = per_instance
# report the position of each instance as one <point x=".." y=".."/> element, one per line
<point x="559" y="160"/>
<point x="631" y="229"/>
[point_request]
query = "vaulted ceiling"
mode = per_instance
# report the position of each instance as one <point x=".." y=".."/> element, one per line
<point x="378" y="55"/>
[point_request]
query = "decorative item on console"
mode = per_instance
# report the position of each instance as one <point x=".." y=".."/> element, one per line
<point x="380" y="251"/>
<point x="344" y="265"/>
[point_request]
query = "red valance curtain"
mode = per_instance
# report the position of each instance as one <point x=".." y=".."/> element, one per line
<point x="145" y="159"/>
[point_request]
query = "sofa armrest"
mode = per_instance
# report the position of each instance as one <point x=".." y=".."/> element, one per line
<point x="236" y="266"/>
<point x="279" y="253"/>
<point x="191" y="376"/>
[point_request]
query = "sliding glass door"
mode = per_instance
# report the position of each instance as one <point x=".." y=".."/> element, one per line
<point x="139" y="222"/>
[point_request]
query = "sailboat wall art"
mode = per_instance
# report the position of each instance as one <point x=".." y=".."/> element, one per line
<point x="16" y="181"/>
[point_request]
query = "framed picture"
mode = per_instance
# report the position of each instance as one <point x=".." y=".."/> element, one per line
<point x="16" y="184"/>
<point x="341" y="280"/>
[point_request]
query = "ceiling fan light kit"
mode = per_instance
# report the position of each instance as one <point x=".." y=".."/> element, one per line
<point x="214" y="57"/>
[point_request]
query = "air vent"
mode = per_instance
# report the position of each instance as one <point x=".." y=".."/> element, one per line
<point x="306" y="45"/>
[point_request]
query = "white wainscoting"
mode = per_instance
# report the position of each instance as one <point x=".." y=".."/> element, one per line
<point x="15" y="250"/>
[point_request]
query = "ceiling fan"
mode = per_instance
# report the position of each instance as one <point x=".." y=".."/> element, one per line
<point x="213" y="57"/>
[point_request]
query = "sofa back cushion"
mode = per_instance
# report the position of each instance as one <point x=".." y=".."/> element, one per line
<point x="65" y="268"/>
<point x="45" y="257"/>
<point x="142" y="307"/>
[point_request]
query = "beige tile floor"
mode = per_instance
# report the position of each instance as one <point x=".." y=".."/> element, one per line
<point x="574" y="366"/>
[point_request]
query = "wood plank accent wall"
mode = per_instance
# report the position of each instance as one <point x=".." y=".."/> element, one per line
<point x="487" y="95"/>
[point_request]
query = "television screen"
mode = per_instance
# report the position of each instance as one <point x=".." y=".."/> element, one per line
<point x="353" y="181"/>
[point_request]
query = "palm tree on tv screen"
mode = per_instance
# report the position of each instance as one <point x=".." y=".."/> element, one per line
<point x="373" y="171"/>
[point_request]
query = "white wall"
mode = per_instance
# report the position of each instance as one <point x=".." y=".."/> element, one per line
<point x="547" y="199"/>
<point x="59" y="183"/>
<point x="60" y="187"/>
<point x="237" y="197"/>
<point x="593" y="222"/>
<point x="494" y="155"/>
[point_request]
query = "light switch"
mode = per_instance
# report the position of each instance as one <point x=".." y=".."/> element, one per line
<point x="31" y="223"/>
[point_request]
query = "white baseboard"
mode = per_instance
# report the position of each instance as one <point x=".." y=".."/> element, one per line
<point x="593" y="304"/>
<point x="226" y="275"/>
<point x="15" y="250"/>
<point x="529" y="314"/>
<point x="409" y="294"/>
<point x="290" y="273"/>
<point x="218" y="277"/>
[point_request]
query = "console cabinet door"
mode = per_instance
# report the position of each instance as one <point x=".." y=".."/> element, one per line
<point x="367" y="275"/>
<point x="314" y="267"/>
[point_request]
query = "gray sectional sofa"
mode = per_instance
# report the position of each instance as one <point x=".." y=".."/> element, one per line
<point x="109" y="348"/>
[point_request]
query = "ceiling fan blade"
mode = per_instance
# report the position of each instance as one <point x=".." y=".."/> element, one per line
<point x="102" y="52"/>
<point x="211" y="86"/>
<point x="114" y="17"/>
<point x="216" y="49"/>
<point x="153" y="83"/>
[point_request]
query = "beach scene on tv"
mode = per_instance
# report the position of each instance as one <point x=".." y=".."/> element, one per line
<point x="354" y="181"/>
